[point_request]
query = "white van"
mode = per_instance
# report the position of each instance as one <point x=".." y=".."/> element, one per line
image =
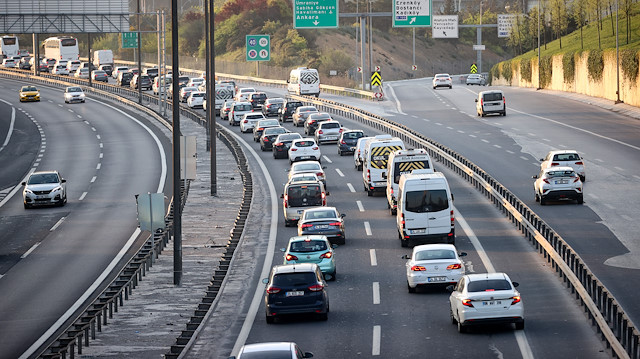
<point x="399" y="163"/>
<point x="374" y="161"/>
<point x="304" y="81"/>
<point x="491" y="102"/>
<point x="425" y="209"/>
<point x="160" y="84"/>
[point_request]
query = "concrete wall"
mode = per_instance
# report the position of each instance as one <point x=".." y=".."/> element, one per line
<point x="583" y="83"/>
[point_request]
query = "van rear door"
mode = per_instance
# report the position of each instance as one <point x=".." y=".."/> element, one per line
<point x="427" y="210"/>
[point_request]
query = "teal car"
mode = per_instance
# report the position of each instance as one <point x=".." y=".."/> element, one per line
<point x="312" y="249"/>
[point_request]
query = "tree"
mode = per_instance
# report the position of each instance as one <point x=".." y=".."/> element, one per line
<point x="596" y="11"/>
<point x="559" y="21"/>
<point x="580" y="13"/>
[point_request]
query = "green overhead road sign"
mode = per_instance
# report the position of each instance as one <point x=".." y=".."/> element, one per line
<point x="129" y="40"/>
<point x="411" y="13"/>
<point x="258" y="48"/>
<point x="315" y="14"/>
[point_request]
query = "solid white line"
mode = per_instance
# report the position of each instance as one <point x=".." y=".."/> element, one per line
<point x="84" y="194"/>
<point x="13" y="121"/>
<point x="327" y="159"/>
<point x="485" y="141"/>
<point x="375" y="350"/>
<point x="524" y="158"/>
<point x="374" y="259"/>
<point x="351" y="188"/>
<point x="339" y="172"/>
<point x="393" y="95"/>
<point x="376" y="292"/>
<point x="55" y="226"/>
<point x="619" y="168"/>
<point x="93" y="179"/>
<point x="360" y="207"/>
<point x="33" y="247"/>
<point x="367" y="228"/>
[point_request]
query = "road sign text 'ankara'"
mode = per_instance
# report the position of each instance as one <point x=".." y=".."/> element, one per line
<point x="312" y="14"/>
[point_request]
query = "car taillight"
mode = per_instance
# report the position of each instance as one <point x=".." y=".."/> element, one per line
<point x="340" y="131"/>
<point x="306" y="225"/>
<point x="337" y="224"/>
<point x="368" y="175"/>
<point x="326" y="255"/>
<point x="579" y="163"/>
<point x="342" y="142"/>
<point x="418" y="269"/>
<point x="546" y="181"/>
<point x="467" y="303"/>
<point x="319" y="174"/>
<point x="504" y="100"/>
<point x="286" y="201"/>
<point x="454" y="266"/>
<point x="555" y="164"/>
<point x="273" y="290"/>
<point x="320" y="132"/>
<point x="315" y="148"/>
<point x="279" y="144"/>
<point x="516" y="299"/>
<point x="577" y="179"/>
<point x="245" y="121"/>
<point x="291" y="257"/>
<point x="260" y="129"/>
<point x="266" y="139"/>
<point x="453" y="220"/>
<point x="294" y="149"/>
<point x="481" y="102"/>
<point x="311" y="122"/>
<point x="316" y="287"/>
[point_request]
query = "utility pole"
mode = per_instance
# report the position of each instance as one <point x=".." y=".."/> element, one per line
<point x="177" y="207"/>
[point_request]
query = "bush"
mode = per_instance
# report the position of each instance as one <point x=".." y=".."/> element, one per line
<point x="629" y="64"/>
<point x="525" y="70"/>
<point x="494" y="73"/>
<point x="569" y="67"/>
<point x="595" y="64"/>
<point x="507" y="71"/>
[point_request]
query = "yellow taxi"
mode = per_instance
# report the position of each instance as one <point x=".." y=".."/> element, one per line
<point x="29" y="93"/>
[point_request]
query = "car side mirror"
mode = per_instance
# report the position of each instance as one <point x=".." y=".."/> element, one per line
<point x="64" y="180"/>
<point x="343" y="215"/>
<point x="265" y="280"/>
<point x="24" y="183"/>
<point x="462" y="254"/>
<point x="406" y="256"/>
<point x="450" y="288"/>
<point x="282" y="195"/>
<point x="476" y="100"/>
<point x="534" y="177"/>
<point x="515" y="284"/>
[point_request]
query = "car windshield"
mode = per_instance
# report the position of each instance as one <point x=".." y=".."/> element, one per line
<point x="488" y="285"/>
<point x="320" y="214"/>
<point x="435" y="254"/>
<point x="293" y="280"/>
<point x="304" y="143"/>
<point x="308" y="246"/>
<point x="74" y="89"/>
<point x="442" y="76"/>
<point x="41" y="178"/>
<point x="29" y="88"/>
<point x="304" y="195"/>
<point x="427" y="201"/>
<point x="353" y="135"/>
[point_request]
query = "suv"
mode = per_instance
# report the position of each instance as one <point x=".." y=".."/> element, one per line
<point x="257" y="99"/>
<point x="328" y="131"/>
<point x="144" y="80"/>
<point x="152" y="72"/>
<point x="557" y="183"/>
<point x="108" y="69"/>
<point x="44" y="188"/>
<point x="285" y="112"/>
<point x="313" y="120"/>
<point x="124" y="78"/>
<point x="296" y="289"/>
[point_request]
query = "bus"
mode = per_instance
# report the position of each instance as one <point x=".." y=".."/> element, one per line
<point x="9" y="46"/>
<point x="61" y="48"/>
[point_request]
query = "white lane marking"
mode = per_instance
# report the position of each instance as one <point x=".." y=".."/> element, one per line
<point x="636" y="177"/>
<point x="327" y="159"/>
<point x="524" y="158"/>
<point x="449" y="128"/>
<point x="101" y="155"/>
<point x="376" y="292"/>
<point x="592" y="195"/>
<point x="497" y="146"/>
<point x="85" y="121"/>
<point x="60" y="105"/>
<point x="360" y="207"/>
<point x="546" y="140"/>
<point x="101" y="145"/>
<point x="84" y="194"/>
<point x="93" y="129"/>
<point x="351" y="188"/>
<point x="55" y="226"/>
<point x="11" y="125"/>
<point x="474" y="136"/>
<point x="93" y="179"/>
<point x="70" y="110"/>
<point x="33" y="248"/>
<point x="80" y="117"/>
<point x="485" y="141"/>
<point x="36" y="164"/>
<point x="438" y="123"/>
<point x="599" y="160"/>
<point x="426" y="120"/>
<point x="414" y="116"/>
<point x="374" y="259"/>
<point x="619" y="168"/>
<point x="375" y="350"/>
<point x="609" y="206"/>
<point x="367" y="228"/>
<point x="510" y="152"/>
<point x="393" y="95"/>
<point x="339" y="172"/>
<point x="532" y="134"/>
<point x="462" y="112"/>
<point x="98" y="166"/>
<point x="459" y="131"/>
<point x="562" y="146"/>
<point x="98" y="136"/>
<point x="626" y="217"/>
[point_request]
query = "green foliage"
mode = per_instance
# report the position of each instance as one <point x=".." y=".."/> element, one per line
<point x="629" y="63"/>
<point x="546" y="70"/>
<point x="569" y="67"/>
<point x="525" y="70"/>
<point x="191" y="33"/>
<point x="335" y="60"/>
<point x="494" y="73"/>
<point x="595" y="64"/>
<point x="507" y="70"/>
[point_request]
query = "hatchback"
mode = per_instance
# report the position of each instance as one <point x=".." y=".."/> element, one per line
<point x="185" y="92"/>
<point x="225" y="109"/>
<point x="196" y="99"/>
<point x="9" y="63"/>
<point x="81" y="73"/>
<point x="124" y="78"/>
<point x="325" y="221"/>
<point x="557" y="183"/>
<point x="108" y="69"/>
<point x="328" y="131"/>
<point x="433" y="264"/>
<point x="313" y="120"/>
<point x="237" y="113"/>
<point x="249" y="121"/>
<point x="569" y="158"/>
<point x="60" y="70"/>
<point x="144" y="81"/>
<point x="301" y="114"/>
<point x="296" y="289"/>
<point x="348" y="140"/>
<point x="119" y="69"/>
<point x="271" y="106"/>
<point x="74" y="94"/>
<point x="299" y="196"/>
<point x="312" y="249"/>
<point x="261" y="126"/>
<point x="282" y="143"/>
<point x="269" y="135"/>
<point x="304" y="149"/>
<point x="44" y="188"/>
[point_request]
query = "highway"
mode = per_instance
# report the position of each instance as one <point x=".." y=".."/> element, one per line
<point x="49" y="257"/>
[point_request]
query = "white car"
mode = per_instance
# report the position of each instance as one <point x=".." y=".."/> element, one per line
<point x="237" y="112"/>
<point x="195" y="81"/>
<point x="195" y="99"/>
<point x="442" y="80"/>
<point x="271" y="350"/>
<point x="492" y="101"/>
<point x="557" y="183"/>
<point x="185" y="92"/>
<point x="44" y="188"/>
<point x="249" y="120"/>
<point x="486" y="298"/>
<point x="308" y="167"/>
<point x="73" y="94"/>
<point x="81" y="73"/>
<point x="569" y="158"/>
<point x="73" y="65"/>
<point x="119" y="69"/>
<point x="433" y="264"/>
<point x="243" y="93"/>
<point x="60" y="70"/>
<point x="304" y="149"/>
<point x="9" y="63"/>
<point x="303" y="177"/>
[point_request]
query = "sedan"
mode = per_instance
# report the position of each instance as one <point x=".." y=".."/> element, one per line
<point x="308" y="167"/>
<point x="313" y="120"/>
<point x="261" y="126"/>
<point x="442" y="80"/>
<point x="304" y="149"/>
<point x="281" y="144"/>
<point x="81" y="73"/>
<point x="286" y="350"/>
<point x="271" y="106"/>
<point x="225" y="109"/>
<point x="433" y="264"/>
<point x="269" y="135"/>
<point x="348" y="140"/>
<point x="312" y="249"/>
<point x="60" y="70"/>
<point x="487" y="298"/>
<point x="73" y="94"/>
<point x="475" y="79"/>
<point x="325" y="221"/>
<point x="249" y="120"/>
<point x="195" y="99"/>
<point x="29" y="93"/>
<point x="99" y="75"/>
<point x="569" y="158"/>
<point x="44" y="188"/>
<point x="185" y="92"/>
<point x="557" y="183"/>
<point x="301" y="114"/>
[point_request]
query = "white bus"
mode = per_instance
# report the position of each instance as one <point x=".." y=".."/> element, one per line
<point x="61" y="48"/>
<point x="9" y="46"/>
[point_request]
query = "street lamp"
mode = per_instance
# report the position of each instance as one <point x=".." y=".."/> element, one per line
<point x="617" y="57"/>
<point x="539" y="69"/>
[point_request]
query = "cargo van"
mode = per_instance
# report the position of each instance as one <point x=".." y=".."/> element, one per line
<point x="299" y="196"/>
<point x="374" y="161"/>
<point x="304" y="81"/>
<point x="425" y="209"/>
<point x="401" y="162"/>
<point x="491" y="102"/>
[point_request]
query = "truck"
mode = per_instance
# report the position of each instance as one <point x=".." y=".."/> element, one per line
<point x="224" y="92"/>
<point x="102" y="57"/>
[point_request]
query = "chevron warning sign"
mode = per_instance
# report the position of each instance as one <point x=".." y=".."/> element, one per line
<point x="376" y="78"/>
<point x="474" y="68"/>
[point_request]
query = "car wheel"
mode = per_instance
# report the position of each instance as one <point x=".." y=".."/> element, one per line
<point x="583" y="178"/>
<point x="504" y="113"/>
<point x="520" y="325"/>
<point x="369" y="193"/>
<point x="453" y="319"/>
<point x="394" y="212"/>
<point x="360" y="167"/>
<point x="461" y="328"/>
<point x="404" y="243"/>
<point x="323" y="316"/>
<point x="411" y="290"/>
<point x="450" y="87"/>
<point x="27" y="206"/>
<point x="270" y="320"/>
<point x="543" y="201"/>
<point x="537" y="198"/>
<point x="481" y="114"/>
<point x="580" y="200"/>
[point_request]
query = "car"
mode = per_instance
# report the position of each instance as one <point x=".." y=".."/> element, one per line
<point x="271" y="106"/>
<point x="244" y="91"/>
<point x="242" y="97"/>
<point x="50" y="63"/>
<point x="237" y="113"/>
<point x="325" y="221"/>
<point x="304" y="149"/>
<point x="348" y="140"/>
<point x="489" y="102"/>
<point x="249" y="121"/>
<point x="62" y="63"/>
<point x="99" y="75"/>
<point x="557" y="183"/>
<point x="185" y="92"/>
<point x="143" y="80"/>
<point x="134" y="70"/>
<point x="23" y="53"/>
<point x="195" y="82"/>
<point x="287" y="350"/>
<point x="281" y="144"/>
<point x="124" y="78"/>
<point x="183" y="81"/>
<point x="261" y="125"/>
<point x="60" y="70"/>
<point x="328" y="131"/>
<point x="152" y="72"/>
<point x="108" y="69"/>
<point x="569" y="158"/>
<point x="29" y="93"/>
<point x="300" y="195"/>
<point x="161" y="83"/>
<point x="196" y="99"/>
<point x="269" y="135"/>
<point x="73" y="65"/>
<point x="312" y="249"/>
<point x="475" y="79"/>
<point x="301" y="114"/>
<point x="313" y="120"/>
<point x="225" y="109"/>
<point x="295" y="289"/>
<point x="118" y="70"/>
<point x="431" y="264"/>
<point x="485" y="298"/>
<point x="308" y="167"/>
<point x="42" y="64"/>
<point x="303" y="177"/>
<point x="358" y="151"/>
<point x="442" y="80"/>
<point x="81" y="73"/>
<point x="25" y="63"/>
<point x="288" y="108"/>
<point x="90" y="66"/>
<point x="9" y="63"/>
<point x="257" y="99"/>
<point x="74" y="94"/>
<point x="44" y="188"/>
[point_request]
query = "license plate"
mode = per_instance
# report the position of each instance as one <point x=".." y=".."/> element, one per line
<point x="332" y="137"/>
<point x="322" y="226"/>
<point x="296" y="293"/>
<point x="305" y="157"/>
<point x="300" y="211"/>
<point x="436" y="279"/>
<point x="562" y="182"/>
<point x="492" y="302"/>
<point x="416" y="231"/>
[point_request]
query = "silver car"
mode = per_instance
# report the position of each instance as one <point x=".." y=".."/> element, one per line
<point x="328" y="131"/>
<point x="44" y="188"/>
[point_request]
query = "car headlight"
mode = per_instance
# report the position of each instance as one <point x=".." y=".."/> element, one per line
<point x="26" y="190"/>
<point x="57" y="189"/>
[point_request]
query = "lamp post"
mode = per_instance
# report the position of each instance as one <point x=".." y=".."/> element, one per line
<point x="617" y="57"/>
<point x="539" y="69"/>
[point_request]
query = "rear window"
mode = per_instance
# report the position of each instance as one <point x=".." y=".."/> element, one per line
<point x="426" y="201"/>
<point x="488" y="285"/>
<point x="308" y="246"/>
<point x="321" y="214"/>
<point x="305" y="143"/>
<point x="306" y="108"/>
<point x="259" y="96"/>
<point x="353" y="135"/>
<point x="492" y="96"/>
<point x="272" y="354"/>
<point x="560" y="174"/>
<point x="330" y="125"/>
<point x="400" y="168"/>
<point x="304" y="195"/>
<point x="302" y="279"/>
<point x="566" y="157"/>
<point x="435" y="254"/>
